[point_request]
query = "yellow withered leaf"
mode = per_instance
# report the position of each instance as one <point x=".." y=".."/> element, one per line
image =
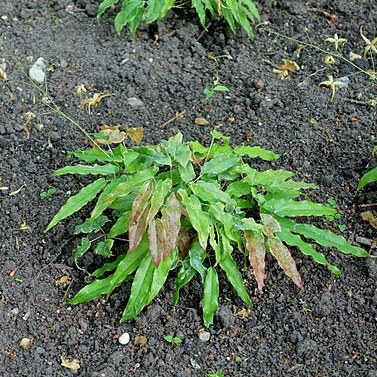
<point x="370" y="217"/>
<point x="3" y="75"/>
<point x="74" y="364"/>
<point x="63" y="280"/>
<point x="284" y="69"/>
<point x="94" y="101"/>
<point x="113" y="135"/>
<point x="201" y="122"/>
<point x="135" y="134"/>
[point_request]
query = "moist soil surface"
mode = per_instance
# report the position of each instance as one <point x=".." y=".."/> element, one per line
<point x="329" y="329"/>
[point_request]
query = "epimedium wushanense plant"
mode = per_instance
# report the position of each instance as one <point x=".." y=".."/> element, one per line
<point x="187" y="207"/>
<point x="135" y="12"/>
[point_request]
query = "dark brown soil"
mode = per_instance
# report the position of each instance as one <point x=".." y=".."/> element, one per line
<point x="327" y="330"/>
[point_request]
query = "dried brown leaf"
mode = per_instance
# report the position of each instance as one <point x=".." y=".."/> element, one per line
<point x="257" y="254"/>
<point x="138" y="217"/>
<point x="370" y="217"/>
<point x="201" y="122"/>
<point x="135" y="134"/>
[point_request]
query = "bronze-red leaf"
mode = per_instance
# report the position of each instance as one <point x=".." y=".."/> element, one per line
<point x="138" y="217"/>
<point x="257" y="254"/>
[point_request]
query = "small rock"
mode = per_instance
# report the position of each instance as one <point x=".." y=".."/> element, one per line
<point x="124" y="338"/>
<point x="225" y="316"/>
<point x="135" y="102"/>
<point x="306" y="348"/>
<point x="204" y="336"/>
<point x="37" y="71"/>
<point x="15" y="311"/>
<point x="372" y="268"/>
<point x="259" y="84"/>
<point x="194" y="364"/>
<point x="63" y="63"/>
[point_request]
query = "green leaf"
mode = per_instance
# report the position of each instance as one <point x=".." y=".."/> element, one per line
<point x="121" y="187"/>
<point x="104" y="5"/>
<point x="217" y="135"/>
<point x="185" y="274"/>
<point x="128" y="265"/>
<point x="129" y="11"/>
<point x="121" y="225"/>
<point x="292" y="208"/>
<point x="82" y="248"/>
<point x="139" y="213"/>
<point x="103" y="248"/>
<point x="91" y="291"/>
<point x="160" y="191"/>
<point x="197" y="217"/>
<point x="199" y="8"/>
<point x="220" y="164"/>
<point x="256" y="151"/>
<point x="92" y="155"/>
<point x="234" y="276"/>
<point x="109" y="266"/>
<point x="367" y="178"/>
<point x="76" y="202"/>
<point x="160" y="275"/>
<point x="140" y="289"/>
<point x="220" y="88"/>
<point x="187" y="173"/>
<point x="90" y="225"/>
<point x="197" y="255"/>
<point x="210" y="296"/>
<point x="211" y="193"/>
<point x="252" y="9"/>
<point x="239" y="188"/>
<point x="107" y="169"/>
<point x="156" y="10"/>
<point x="226" y="219"/>
<point x="326" y="238"/>
<point x="178" y="151"/>
<point x="307" y="249"/>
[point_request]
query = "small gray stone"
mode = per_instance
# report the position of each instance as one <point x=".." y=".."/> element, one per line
<point x="135" y="102"/>
<point x="306" y="348"/>
<point x="372" y="268"/>
<point x="225" y="316"/>
<point x="63" y="63"/>
<point x="37" y="71"/>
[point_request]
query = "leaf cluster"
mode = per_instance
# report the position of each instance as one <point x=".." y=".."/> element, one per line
<point x="135" y="12"/>
<point x="188" y="207"/>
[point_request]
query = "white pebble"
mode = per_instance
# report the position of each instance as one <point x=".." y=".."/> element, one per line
<point x="124" y="338"/>
<point x="36" y="71"/>
<point x="204" y="336"/>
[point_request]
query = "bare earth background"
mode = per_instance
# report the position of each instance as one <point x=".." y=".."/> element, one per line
<point x="327" y="330"/>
